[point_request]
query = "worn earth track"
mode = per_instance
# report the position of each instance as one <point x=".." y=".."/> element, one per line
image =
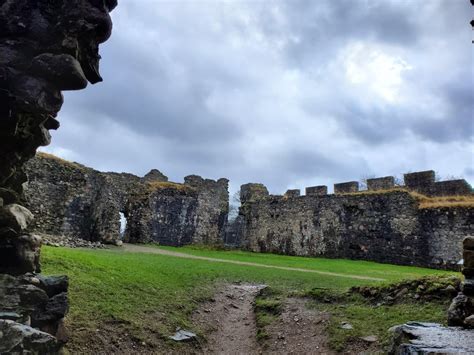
<point x="151" y="250"/>
<point x="229" y="321"/>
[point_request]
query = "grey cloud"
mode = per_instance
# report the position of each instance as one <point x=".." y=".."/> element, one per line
<point x="197" y="87"/>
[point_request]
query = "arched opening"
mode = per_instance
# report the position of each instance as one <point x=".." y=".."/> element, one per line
<point x="123" y="224"/>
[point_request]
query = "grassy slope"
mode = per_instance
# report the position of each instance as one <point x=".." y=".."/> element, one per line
<point x="365" y="268"/>
<point x="133" y="287"/>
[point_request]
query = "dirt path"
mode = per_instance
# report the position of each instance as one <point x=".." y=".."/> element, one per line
<point x="151" y="250"/>
<point x="298" y="330"/>
<point x="229" y="321"/>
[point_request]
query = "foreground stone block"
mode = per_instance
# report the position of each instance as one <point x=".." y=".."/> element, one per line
<point x="19" y="253"/>
<point x="16" y="338"/>
<point x="461" y="307"/>
<point x="431" y="338"/>
<point x="34" y="300"/>
<point x="16" y="217"/>
<point x="468" y="256"/>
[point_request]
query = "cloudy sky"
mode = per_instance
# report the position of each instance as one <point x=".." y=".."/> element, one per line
<point x="289" y="93"/>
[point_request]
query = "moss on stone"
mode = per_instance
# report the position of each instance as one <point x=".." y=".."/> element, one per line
<point x="59" y="160"/>
<point x="443" y="201"/>
<point x="162" y="185"/>
<point x="423" y="200"/>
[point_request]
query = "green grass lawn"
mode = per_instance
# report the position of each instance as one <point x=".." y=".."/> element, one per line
<point x="362" y="268"/>
<point x="136" y="287"/>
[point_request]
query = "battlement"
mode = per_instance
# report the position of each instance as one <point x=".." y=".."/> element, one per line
<point x="423" y="182"/>
<point x="320" y="190"/>
<point x="346" y="187"/>
<point x="292" y="193"/>
<point x="382" y="183"/>
<point x="419" y="180"/>
<point x="253" y="192"/>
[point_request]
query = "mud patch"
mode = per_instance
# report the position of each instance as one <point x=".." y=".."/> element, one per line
<point x="229" y="320"/>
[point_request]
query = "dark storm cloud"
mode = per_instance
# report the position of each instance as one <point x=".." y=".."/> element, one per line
<point x="289" y="93"/>
<point x="325" y="27"/>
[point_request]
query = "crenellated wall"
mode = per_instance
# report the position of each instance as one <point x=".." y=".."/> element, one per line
<point x="71" y="199"/>
<point x="383" y="224"/>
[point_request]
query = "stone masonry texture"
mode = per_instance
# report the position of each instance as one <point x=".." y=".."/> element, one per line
<point x="386" y="226"/>
<point x="71" y="199"/>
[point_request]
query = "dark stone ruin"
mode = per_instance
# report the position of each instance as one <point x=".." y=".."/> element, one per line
<point x="75" y="201"/>
<point x="46" y="46"/>
<point x="384" y="223"/>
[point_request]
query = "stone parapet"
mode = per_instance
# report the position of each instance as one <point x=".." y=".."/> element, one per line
<point x="381" y="183"/>
<point x="346" y="187"/>
<point x="320" y="190"/>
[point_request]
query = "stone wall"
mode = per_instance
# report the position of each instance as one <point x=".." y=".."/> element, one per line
<point x="384" y="226"/>
<point x="425" y="183"/>
<point x="444" y="229"/>
<point x="74" y="200"/>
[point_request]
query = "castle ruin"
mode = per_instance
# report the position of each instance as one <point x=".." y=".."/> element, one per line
<point x="74" y="200"/>
<point x="385" y="223"/>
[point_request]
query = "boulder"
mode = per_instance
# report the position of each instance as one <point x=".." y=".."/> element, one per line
<point x="16" y="216"/>
<point x="53" y="285"/>
<point x="460" y="308"/>
<point x="430" y="338"/>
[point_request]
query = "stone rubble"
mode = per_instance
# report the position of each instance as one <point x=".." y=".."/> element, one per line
<point x="461" y="311"/>
<point x="70" y="242"/>
<point x="430" y="338"/>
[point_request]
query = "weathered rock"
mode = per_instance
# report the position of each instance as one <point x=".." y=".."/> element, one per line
<point x="469" y="321"/>
<point x="468" y="287"/>
<point x="63" y="70"/>
<point x="468" y="256"/>
<point x="347" y="326"/>
<point x="460" y="308"/>
<point x="47" y="318"/>
<point x="370" y="338"/>
<point x="53" y="285"/>
<point x="16" y="216"/>
<point x="45" y="47"/>
<point x="468" y="243"/>
<point x="18" y="295"/>
<point x="431" y="338"/>
<point x="16" y="338"/>
<point x="19" y="253"/>
<point x="424" y="289"/>
<point x="155" y="175"/>
<point x="182" y="335"/>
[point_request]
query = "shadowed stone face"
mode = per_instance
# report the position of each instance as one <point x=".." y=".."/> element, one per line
<point x="46" y="46"/>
